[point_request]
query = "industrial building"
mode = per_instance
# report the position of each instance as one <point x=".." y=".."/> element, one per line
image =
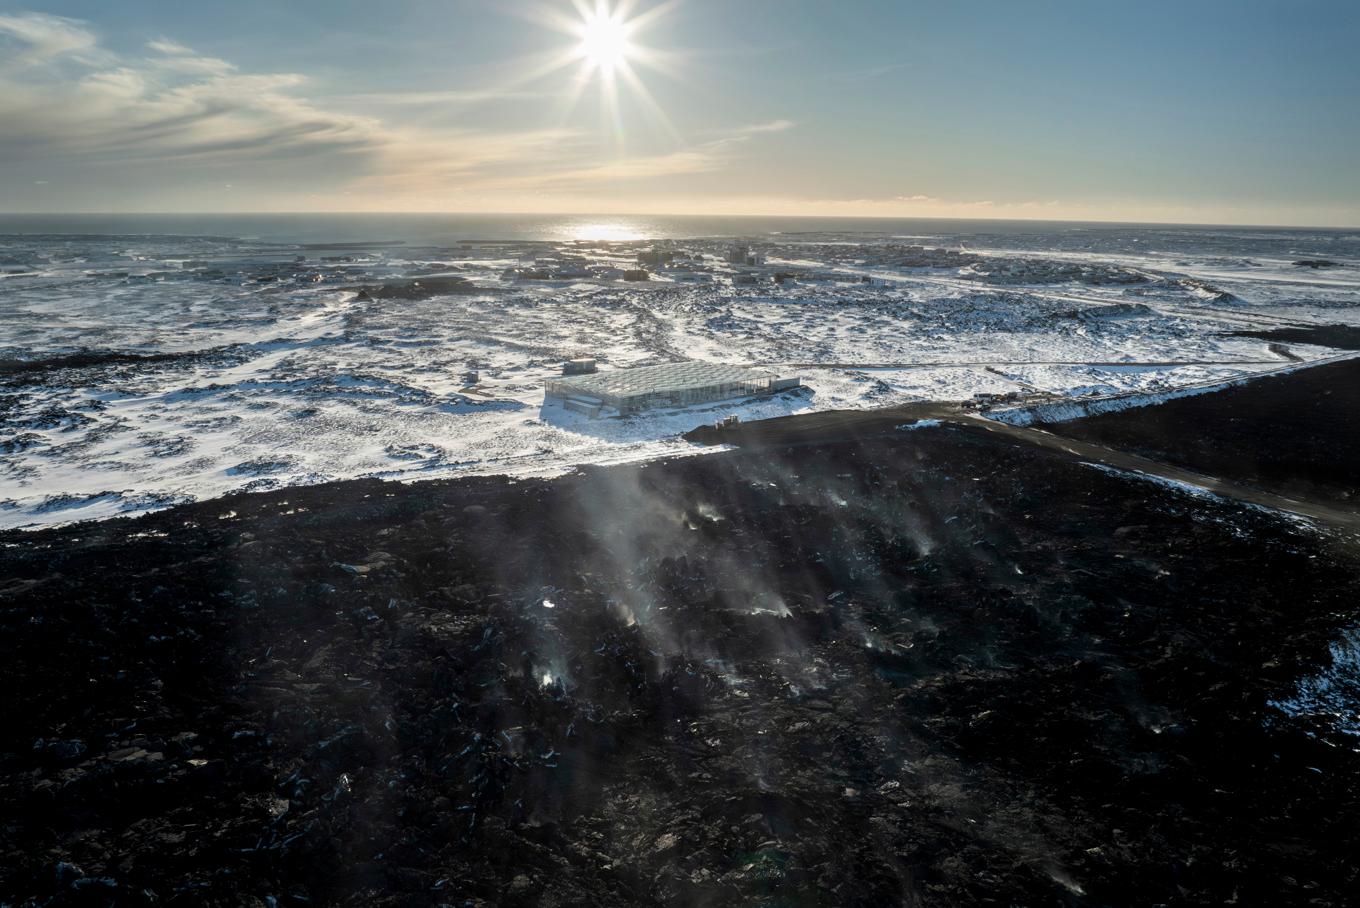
<point x="627" y="391"/>
<point x="655" y="258"/>
<point x="741" y="255"/>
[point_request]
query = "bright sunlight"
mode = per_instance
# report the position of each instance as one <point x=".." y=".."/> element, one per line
<point x="604" y="39"/>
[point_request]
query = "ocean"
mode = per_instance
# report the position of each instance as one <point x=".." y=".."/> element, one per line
<point x="441" y="229"/>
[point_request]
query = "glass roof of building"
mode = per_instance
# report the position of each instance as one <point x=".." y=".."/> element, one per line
<point x="672" y="377"/>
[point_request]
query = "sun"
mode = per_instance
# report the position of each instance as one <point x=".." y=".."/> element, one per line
<point x="604" y="39"/>
<point x="607" y="49"/>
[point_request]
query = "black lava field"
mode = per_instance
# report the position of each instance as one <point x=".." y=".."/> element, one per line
<point x="925" y="667"/>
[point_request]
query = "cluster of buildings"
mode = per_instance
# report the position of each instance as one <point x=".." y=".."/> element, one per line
<point x="742" y="256"/>
<point x="554" y="268"/>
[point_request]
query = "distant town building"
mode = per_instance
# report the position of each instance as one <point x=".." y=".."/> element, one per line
<point x="655" y="258"/>
<point x="741" y="254"/>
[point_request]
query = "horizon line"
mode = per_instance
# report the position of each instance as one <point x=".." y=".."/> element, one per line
<point x="602" y="214"/>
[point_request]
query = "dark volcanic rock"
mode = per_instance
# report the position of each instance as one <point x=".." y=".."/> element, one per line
<point x="1294" y="433"/>
<point x="83" y="360"/>
<point x="901" y="668"/>
<point x="1342" y="337"/>
<point x="423" y="288"/>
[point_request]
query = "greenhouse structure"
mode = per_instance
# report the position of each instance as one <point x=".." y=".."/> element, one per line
<point x="628" y="391"/>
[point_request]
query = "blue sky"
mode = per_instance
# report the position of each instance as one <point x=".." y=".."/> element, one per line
<point x="1198" y="111"/>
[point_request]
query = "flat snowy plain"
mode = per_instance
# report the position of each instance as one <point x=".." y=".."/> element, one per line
<point x="272" y="369"/>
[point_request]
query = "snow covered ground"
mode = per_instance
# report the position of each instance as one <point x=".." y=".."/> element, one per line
<point x="220" y="365"/>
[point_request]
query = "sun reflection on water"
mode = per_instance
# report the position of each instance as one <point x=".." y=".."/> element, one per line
<point x="606" y="231"/>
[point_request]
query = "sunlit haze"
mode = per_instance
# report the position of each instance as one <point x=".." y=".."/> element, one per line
<point x="1208" y="112"/>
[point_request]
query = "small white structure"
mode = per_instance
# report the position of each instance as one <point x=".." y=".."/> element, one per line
<point x="627" y="391"/>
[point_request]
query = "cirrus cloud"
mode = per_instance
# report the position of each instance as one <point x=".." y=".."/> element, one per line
<point x="62" y="95"/>
<point x="177" y="120"/>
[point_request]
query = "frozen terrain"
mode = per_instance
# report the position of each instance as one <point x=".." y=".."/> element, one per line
<point x="143" y="370"/>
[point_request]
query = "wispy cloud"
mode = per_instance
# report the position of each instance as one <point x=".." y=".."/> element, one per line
<point x="771" y="126"/>
<point x="65" y="98"/>
<point x="432" y="98"/>
<point x="706" y="157"/>
<point x="175" y="56"/>
<point x="624" y="170"/>
<point x="166" y="46"/>
<point x="41" y="38"/>
<point x="70" y="98"/>
<point x="431" y="163"/>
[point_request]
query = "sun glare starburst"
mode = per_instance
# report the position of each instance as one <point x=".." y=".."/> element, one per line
<point x="604" y="39"/>
<point x="606" y="52"/>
